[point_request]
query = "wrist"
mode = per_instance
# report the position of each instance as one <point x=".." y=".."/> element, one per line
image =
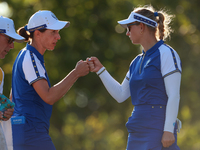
<point x="75" y="73"/>
<point x="168" y="132"/>
<point x="100" y="71"/>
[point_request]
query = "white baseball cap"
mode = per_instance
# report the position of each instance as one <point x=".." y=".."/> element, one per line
<point x="139" y="18"/>
<point x="7" y="27"/>
<point x="45" y="19"/>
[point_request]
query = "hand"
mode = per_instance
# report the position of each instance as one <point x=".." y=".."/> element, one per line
<point x="167" y="139"/>
<point x="94" y="64"/>
<point x="8" y="114"/>
<point x="82" y="68"/>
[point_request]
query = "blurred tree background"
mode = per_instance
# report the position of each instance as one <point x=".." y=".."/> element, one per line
<point x="87" y="117"/>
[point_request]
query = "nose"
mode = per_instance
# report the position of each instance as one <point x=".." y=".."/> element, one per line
<point x="127" y="33"/>
<point x="58" y="36"/>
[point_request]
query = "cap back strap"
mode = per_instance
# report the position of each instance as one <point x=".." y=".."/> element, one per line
<point x="2" y="31"/>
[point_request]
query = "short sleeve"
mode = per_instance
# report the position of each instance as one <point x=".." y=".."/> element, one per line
<point x="170" y="61"/>
<point x="32" y="68"/>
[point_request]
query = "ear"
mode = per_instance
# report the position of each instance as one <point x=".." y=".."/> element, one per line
<point x="142" y="27"/>
<point x="37" y="33"/>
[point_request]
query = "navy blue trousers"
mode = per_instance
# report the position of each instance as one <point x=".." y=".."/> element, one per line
<point x="30" y="139"/>
<point x="145" y="128"/>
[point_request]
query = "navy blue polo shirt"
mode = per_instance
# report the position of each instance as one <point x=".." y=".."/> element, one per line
<point x="27" y="69"/>
<point x="147" y="72"/>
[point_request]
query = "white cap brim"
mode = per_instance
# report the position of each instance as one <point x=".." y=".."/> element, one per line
<point x="124" y="22"/>
<point x="16" y="36"/>
<point x="139" y="18"/>
<point x="59" y="25"/>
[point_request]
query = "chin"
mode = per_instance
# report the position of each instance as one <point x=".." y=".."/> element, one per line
<point x="134" y="42"/>
<point x="2" y="57"/>
<point x="51" y="49"/>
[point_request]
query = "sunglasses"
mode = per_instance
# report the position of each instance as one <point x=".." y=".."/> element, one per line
<point x="131" y="24"/>
<point x="10" y="40"/>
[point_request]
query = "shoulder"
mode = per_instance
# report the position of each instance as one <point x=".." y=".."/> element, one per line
<point x="22" y="54"/>
<point x="165" y="49"/>
<point x="28" y="59"/>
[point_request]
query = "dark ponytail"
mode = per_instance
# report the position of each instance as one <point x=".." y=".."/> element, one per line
<point x="26" y="34"/>
<point x="21" y="31"/>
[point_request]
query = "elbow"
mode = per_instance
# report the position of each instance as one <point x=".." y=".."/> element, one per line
<point x="48" y="100"/>
<point x="174" y="98"/>
<point x="50" y="103"/>
<point x="120" y="100"/>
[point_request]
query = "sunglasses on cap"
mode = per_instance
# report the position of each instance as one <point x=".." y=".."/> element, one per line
<point x="10" y="40"/>
<point x="131" y="24"/>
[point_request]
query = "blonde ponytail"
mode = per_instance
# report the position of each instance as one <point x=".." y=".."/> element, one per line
<point x="163" y="30"/>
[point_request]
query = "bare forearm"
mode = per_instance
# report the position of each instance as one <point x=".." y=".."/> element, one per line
<point x="60" y="89"/>
<point x="10" y="96"/>
<point x="52" y="94"/>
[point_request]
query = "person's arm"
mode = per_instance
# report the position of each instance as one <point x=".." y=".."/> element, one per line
<point x="52" y="94"/>
<point x="9" y="112"/>
<point x="120" y="92"/>
<point x="172" y="85"/>
<point x="10" y="96"/>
